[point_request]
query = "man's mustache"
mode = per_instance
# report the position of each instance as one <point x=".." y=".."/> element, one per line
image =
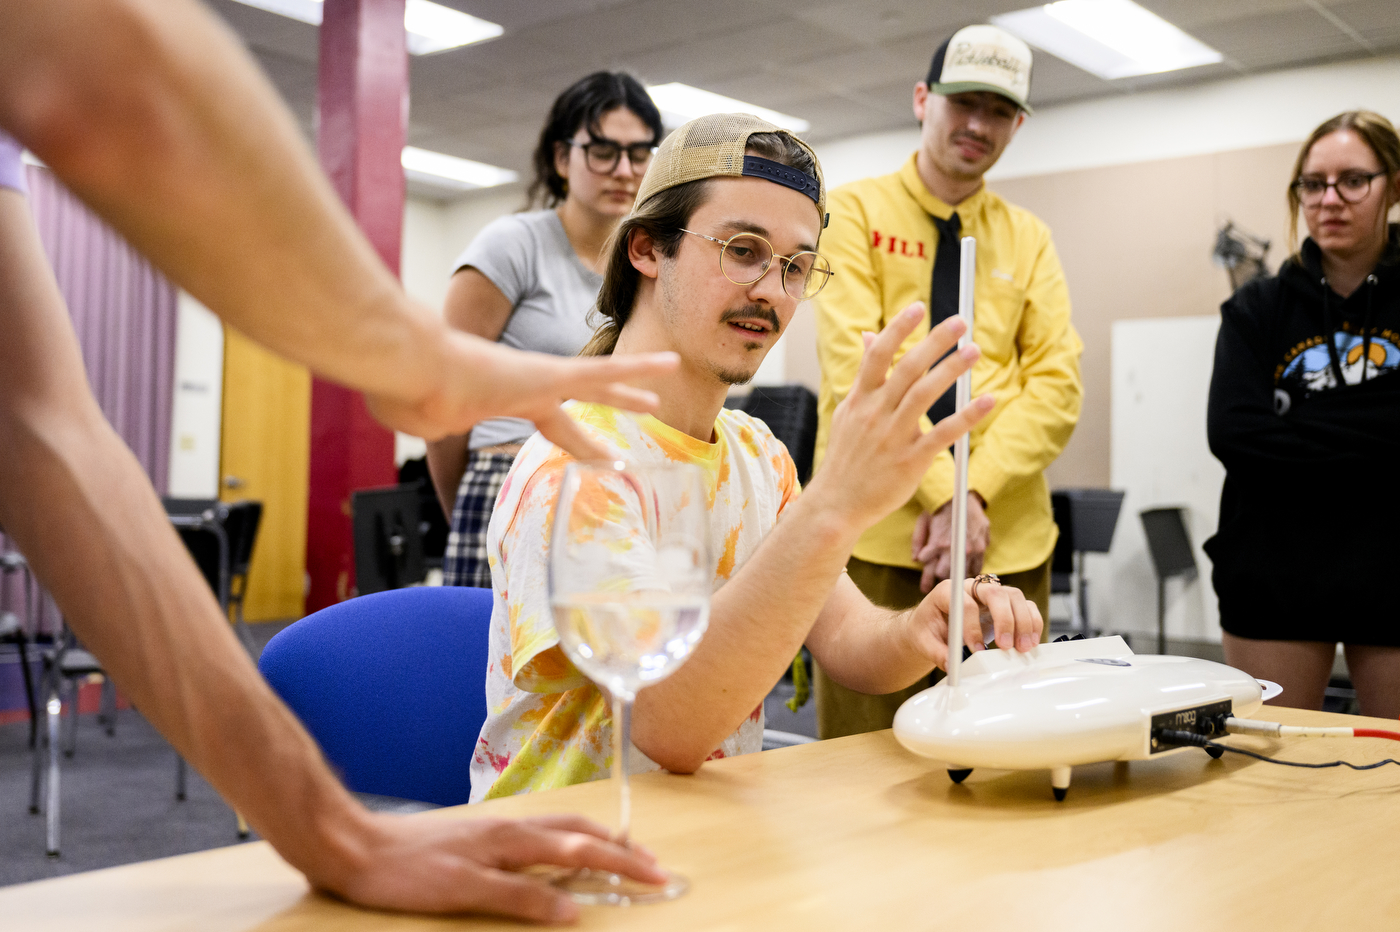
<point x="980" y="140"/>
<point x="766" y="314"/>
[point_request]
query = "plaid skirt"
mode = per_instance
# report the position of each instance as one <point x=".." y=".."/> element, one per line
<point x="464" y="562"/>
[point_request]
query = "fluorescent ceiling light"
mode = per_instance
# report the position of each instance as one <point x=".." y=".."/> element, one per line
<point x="431" y="26"/>
<point x="440" y="169"/>
<point x="436" y="28"/>
<point x="681" y="102"/>
<point x="1109" y="38"/>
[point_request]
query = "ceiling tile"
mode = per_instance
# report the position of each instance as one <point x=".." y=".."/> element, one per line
<point x="1267" y="38"/>
<point x="643" y="25"/>
<point x="260" y="29"/>
<point x="876" y="21"/>
<point x="1378" y="21"/>
<point x="1188" y="14"/>
<point x="747" y="55"/>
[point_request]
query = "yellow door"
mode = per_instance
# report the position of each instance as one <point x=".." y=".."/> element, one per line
<point x="264" y="453"/>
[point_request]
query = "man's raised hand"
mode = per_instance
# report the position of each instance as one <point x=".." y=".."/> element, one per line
<point x="876" y="453"/>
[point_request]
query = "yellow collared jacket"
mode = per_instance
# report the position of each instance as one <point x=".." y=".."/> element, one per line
<point x="881" y="243"/>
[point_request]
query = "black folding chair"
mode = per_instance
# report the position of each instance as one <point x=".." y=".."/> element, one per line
<point x="66" y="664"/>
<point x="790" y="411"/>
<point x="241" y="526"/>
<point x="388" y="538"/>
<point x="14" y="631"/>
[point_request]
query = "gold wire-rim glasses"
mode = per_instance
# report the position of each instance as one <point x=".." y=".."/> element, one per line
<point x="820" y="273"/>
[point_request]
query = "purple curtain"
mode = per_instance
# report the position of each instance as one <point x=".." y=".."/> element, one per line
<point x="124" y="314"/>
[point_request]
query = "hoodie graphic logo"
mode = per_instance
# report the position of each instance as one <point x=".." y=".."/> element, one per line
<point x="1310" y="368"/>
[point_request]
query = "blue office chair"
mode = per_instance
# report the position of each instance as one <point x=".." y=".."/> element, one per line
<point x="393" y="687"/>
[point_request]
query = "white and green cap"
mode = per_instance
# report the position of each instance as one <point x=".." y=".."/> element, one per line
<point x="983" y="58"/>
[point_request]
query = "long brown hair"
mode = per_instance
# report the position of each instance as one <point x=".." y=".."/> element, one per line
<point x="662" y="218"/>
<point x="1375" y="130"/>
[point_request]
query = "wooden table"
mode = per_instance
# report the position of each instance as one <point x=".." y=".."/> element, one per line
<point x="857" y="834"/>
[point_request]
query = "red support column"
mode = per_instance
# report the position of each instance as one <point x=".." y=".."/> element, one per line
<point x="363" y="120"/>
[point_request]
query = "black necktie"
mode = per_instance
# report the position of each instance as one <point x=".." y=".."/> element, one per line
<point x="943" y="298"/>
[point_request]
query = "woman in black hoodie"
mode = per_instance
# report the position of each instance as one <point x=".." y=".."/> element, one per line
<point x="1305" y="416"/>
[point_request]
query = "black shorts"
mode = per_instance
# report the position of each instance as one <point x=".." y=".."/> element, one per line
<point x="1357" y="606"/>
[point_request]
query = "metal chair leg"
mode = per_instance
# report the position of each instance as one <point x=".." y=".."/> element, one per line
<point x="1161" y="616"/>
<point x="29" y="699"/>
<point x="107" y="714"/>
<point x="55" y="707"/>
<point x="245" y="634"/>
<point x="71" y="744"/>
<point x="37" y="755"/>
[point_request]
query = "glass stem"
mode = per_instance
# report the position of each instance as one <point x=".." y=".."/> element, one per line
<point x="622" y="740"/>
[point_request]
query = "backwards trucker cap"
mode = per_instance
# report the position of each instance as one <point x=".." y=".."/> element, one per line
<point x="983" y="58"/>
<point x="713" y="146"/>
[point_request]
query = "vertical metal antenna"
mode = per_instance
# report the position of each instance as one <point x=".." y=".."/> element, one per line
<point x="967" y="275"/>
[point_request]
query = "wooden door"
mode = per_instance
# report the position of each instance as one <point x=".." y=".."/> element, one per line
<point x="264" y="455"/>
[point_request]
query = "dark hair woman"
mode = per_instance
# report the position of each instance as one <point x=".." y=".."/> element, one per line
<point x="1305" y="415"/>
<point x="530" y="279"/>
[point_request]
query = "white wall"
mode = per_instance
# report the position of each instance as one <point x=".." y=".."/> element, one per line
<point x="434" y="235"/>
<point x="197" y="408"/>
<point x="1160" y="458"/>
<point x="1241" y="113"/>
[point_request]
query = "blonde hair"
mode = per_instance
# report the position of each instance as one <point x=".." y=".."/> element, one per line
<point x="1375" y="130"/>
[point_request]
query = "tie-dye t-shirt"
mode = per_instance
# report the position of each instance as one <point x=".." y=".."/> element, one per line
<point x="546" y="725"/>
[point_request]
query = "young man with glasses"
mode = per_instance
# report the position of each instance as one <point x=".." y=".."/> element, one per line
<point x="893" y="240"/>
<point x="712" y="264"/>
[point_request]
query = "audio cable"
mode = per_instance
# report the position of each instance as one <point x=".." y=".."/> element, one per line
<point x="1245" y="726"/>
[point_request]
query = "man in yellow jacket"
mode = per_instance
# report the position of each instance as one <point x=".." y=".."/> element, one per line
<point x="893" y="240"/>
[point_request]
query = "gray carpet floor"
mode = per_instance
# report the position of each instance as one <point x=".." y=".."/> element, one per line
<point x="118" y="803"/>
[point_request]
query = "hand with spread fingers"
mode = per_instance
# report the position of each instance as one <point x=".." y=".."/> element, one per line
<point x="1003" y="612"/>
<point x="481" y="379"/>
<point x="473" y="865"/>
<point x="876" y="454"/>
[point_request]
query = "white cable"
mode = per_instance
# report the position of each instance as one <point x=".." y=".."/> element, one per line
<point x="1246" y="726"/>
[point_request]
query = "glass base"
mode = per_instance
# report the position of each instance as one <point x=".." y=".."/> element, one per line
<point x="603" y="888"/>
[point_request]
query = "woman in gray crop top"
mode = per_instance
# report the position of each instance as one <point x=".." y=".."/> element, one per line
<point x="529" y="280"/>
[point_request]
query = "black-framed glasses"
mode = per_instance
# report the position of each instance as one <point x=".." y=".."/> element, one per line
<point x="1351" y="187"/>
<point x="602" y="155"/>
<point x="745" y="258"/>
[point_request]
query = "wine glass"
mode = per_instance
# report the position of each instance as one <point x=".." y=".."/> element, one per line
<point x="630" y="575"/>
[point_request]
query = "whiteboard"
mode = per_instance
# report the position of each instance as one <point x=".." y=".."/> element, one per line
<point x="1159" y="458"/>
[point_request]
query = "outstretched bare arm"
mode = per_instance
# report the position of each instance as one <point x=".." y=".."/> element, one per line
<point x="154" y="115"/>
